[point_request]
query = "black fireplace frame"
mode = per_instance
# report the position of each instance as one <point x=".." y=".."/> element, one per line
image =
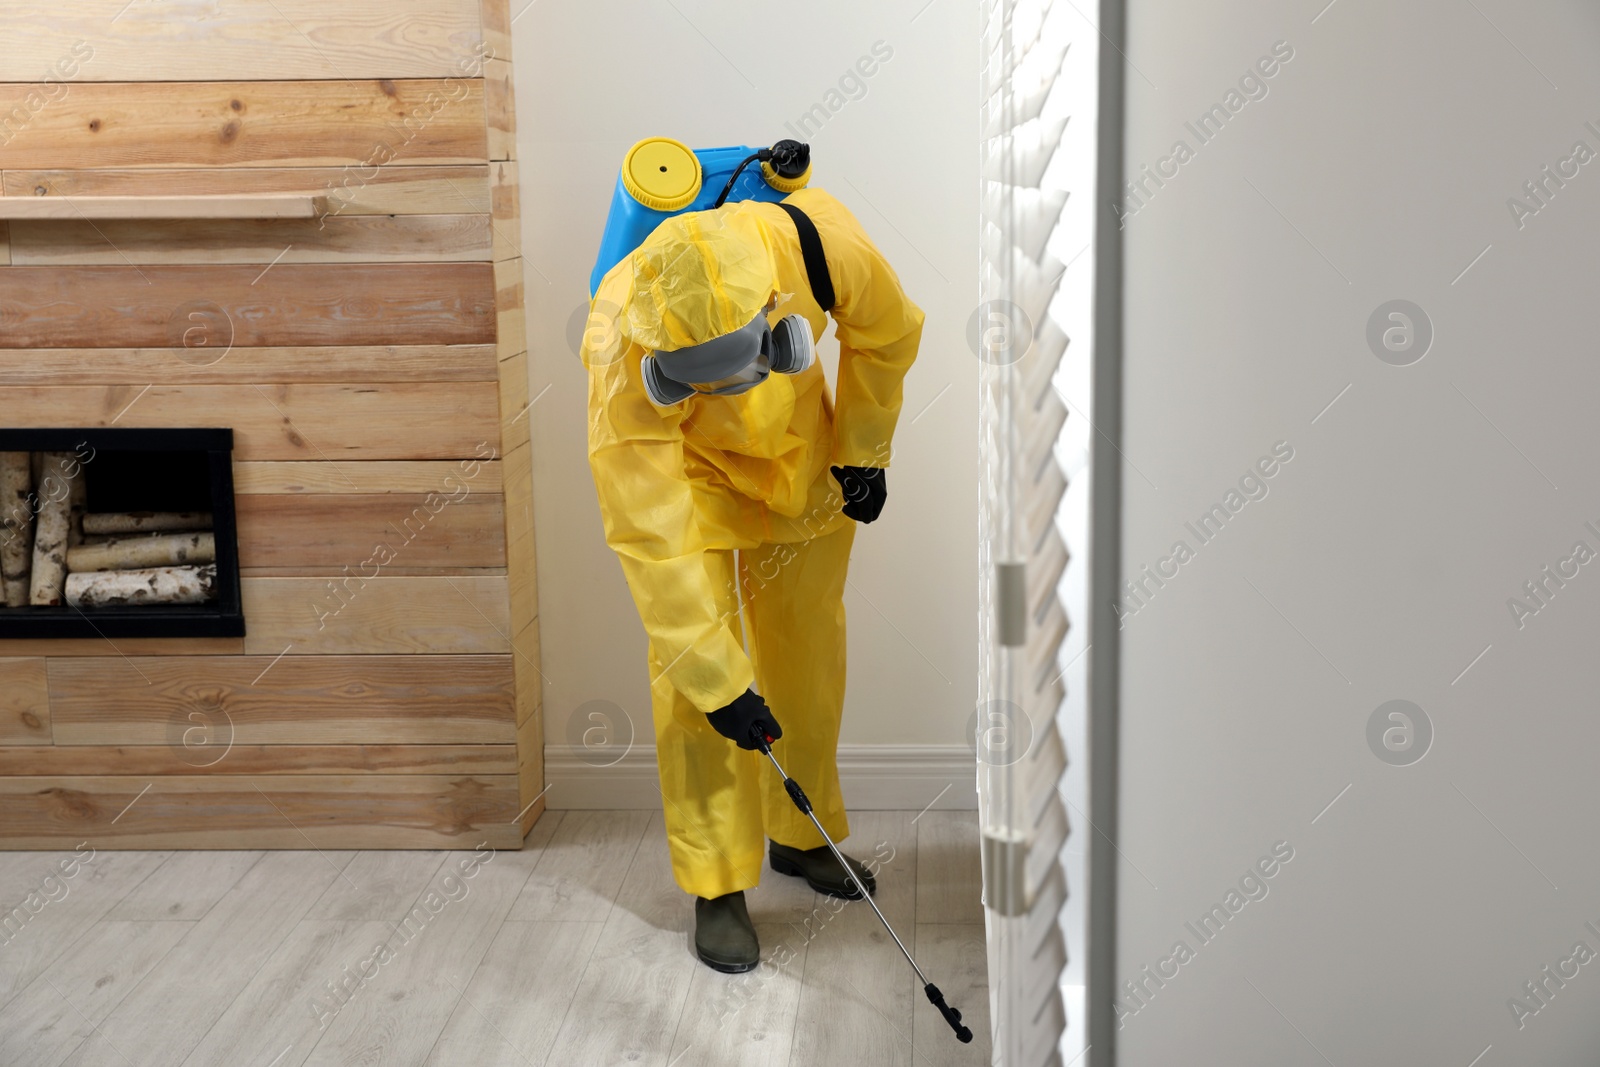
<point x="223" y="617"/>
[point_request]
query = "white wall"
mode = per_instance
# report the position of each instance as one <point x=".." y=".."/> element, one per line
<point x="593" y="78"/>
<point x="1380" y="565"/>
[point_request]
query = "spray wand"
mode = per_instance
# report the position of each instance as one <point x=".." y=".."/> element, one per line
<point x="796" y="794"/>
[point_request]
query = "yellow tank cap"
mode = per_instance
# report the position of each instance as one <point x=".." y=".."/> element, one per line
<point x="661" y="173"/>
<point x="782" y="184"/>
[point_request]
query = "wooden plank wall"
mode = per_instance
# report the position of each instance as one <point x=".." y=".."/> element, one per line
<point x="373" y="364"/>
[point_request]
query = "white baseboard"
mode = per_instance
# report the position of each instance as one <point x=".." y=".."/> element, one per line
<point x="872" y="777"/>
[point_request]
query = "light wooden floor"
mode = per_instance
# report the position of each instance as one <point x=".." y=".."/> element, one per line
<point x="575" y="952"/>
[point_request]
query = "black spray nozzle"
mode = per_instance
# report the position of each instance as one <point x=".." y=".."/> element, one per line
<point x="951" y="1015"/>
<point x="789" y="159"/>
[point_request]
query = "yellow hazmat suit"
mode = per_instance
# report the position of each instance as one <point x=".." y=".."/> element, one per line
<point x="682" y="488"/>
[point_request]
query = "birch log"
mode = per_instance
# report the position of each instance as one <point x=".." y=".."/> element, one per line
<point x="50" y="535"/>
<point x="125" y="522"/>
<point x="157" y="585"/>
<point x="16" y="526"/>
<point x="156" y="550"/>
<point x="78" y="501"/>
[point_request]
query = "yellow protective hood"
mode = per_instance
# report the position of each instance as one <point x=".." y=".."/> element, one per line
<point x="698" y="276"/>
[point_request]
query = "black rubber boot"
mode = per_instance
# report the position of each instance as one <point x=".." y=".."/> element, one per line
<point x="724" y="937"/>
<point x="821" y="871"/>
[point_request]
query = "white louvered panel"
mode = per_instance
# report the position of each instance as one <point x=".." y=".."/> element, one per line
<point x="1042" y="431"/>
<point x="1044" y="573"/>
<point x="1029" y="147"/>
<point x="1024" y="230"/>
<point x="1041" y="770"/>
<point x="1049" y="345"/>
<point x="1038" y="522"/>
<point x="1042" y="653"/>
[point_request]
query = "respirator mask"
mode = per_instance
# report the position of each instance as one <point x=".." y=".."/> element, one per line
<point x="730" y="364"/>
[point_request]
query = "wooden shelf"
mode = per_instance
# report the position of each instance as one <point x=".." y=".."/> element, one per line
<point x="249" y="206"/>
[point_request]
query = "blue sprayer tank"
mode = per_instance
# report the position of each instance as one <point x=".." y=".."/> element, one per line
<point x="661" y="178"/>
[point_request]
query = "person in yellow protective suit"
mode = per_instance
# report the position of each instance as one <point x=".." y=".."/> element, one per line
<point x="692" y="470"/>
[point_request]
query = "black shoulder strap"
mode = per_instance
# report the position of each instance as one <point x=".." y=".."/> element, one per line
<point x="811" y="252"/>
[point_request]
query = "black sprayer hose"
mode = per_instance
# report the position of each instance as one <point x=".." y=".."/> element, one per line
<point x="796" y="794"/>
<point x="763" y="155"/>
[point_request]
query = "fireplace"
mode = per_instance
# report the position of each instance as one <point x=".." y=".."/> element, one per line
<point x="108" y="532"/>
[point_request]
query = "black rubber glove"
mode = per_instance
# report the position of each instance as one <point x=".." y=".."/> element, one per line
<point x="736" y="720"/>
<point x="865" y="489"/>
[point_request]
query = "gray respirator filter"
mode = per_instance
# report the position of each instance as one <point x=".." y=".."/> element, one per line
<point x="731" y="364"/>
